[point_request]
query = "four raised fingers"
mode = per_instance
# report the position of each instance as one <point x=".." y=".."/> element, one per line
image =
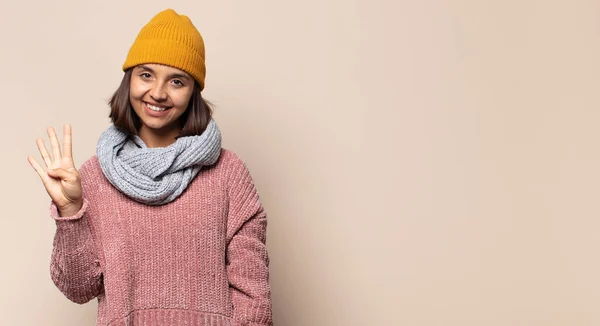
<point x="54" y="162"/>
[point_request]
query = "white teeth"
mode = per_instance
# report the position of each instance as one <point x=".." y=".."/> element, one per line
<point x="155" y="108"/>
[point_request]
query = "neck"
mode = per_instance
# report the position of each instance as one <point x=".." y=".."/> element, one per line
<point x="159" y="137"/>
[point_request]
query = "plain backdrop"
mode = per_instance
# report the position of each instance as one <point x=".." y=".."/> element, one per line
<point x="422" y="162"/>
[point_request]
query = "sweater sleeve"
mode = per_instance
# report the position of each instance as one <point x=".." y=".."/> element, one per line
<point x="247" y="258"/>
<point x="74" y="265"/>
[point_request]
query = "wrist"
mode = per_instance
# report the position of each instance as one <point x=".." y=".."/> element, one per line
<point x="70" y="209"/>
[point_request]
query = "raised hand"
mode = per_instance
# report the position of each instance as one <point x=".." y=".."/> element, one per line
<point x="61" y="178"/>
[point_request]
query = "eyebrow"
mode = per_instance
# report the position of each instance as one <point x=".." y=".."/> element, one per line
<point x="174" y="75"/>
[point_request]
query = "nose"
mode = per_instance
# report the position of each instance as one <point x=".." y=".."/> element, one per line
<point x="158" y="92"/>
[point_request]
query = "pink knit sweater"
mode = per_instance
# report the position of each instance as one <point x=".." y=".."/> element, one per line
<point x="199" y="260"/>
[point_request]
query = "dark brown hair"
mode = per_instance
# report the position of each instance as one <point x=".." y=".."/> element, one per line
<point x="195" y="118"/>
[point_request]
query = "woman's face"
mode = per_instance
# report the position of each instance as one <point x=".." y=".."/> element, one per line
<point x="159" y="95"/>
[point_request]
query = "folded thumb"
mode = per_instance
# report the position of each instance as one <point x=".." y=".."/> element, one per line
<point x="60" y="173"/>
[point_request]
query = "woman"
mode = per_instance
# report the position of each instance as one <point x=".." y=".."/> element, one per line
<point x="162" y="225"/>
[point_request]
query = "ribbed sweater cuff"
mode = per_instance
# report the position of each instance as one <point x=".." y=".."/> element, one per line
<point x="56" y="216"/>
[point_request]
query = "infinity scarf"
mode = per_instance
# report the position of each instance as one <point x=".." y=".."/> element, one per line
<point x="155" y="176"/>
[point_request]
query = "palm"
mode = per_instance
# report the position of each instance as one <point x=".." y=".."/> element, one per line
<point x="61" y="191"/>
<point x="67" y="188"/>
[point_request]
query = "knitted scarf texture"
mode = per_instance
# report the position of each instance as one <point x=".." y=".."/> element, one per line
<point x="155" y="176"/>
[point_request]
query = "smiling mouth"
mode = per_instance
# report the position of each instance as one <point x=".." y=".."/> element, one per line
<point x="156" y="107"/>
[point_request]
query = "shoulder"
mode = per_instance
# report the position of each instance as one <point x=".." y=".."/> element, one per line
<point x="90" y="166"/>
<point x="230" y="158"/>
<point x="90" y="171"/>
<point x="234" y="165"/>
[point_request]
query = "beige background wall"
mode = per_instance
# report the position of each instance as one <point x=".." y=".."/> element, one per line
<point x="422" y="162"/>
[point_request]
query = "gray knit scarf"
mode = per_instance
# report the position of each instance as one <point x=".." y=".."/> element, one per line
<point x="155" y="176"/>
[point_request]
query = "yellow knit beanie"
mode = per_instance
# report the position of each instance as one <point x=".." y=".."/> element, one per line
<point x="170" y="39"/>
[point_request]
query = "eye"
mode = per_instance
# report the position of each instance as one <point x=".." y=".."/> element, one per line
<point x="178" y="82"/>
<point x="145" y="75"/>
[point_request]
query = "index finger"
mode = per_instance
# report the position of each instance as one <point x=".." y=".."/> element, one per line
<point x="67" y="141"/>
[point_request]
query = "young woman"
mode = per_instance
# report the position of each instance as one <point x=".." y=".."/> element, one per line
<point x="162" y="225"/>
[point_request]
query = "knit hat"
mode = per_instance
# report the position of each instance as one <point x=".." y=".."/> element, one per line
<point x="170" y="39"/>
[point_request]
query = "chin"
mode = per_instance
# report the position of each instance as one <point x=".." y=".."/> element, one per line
<point x="155" y="126"/>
